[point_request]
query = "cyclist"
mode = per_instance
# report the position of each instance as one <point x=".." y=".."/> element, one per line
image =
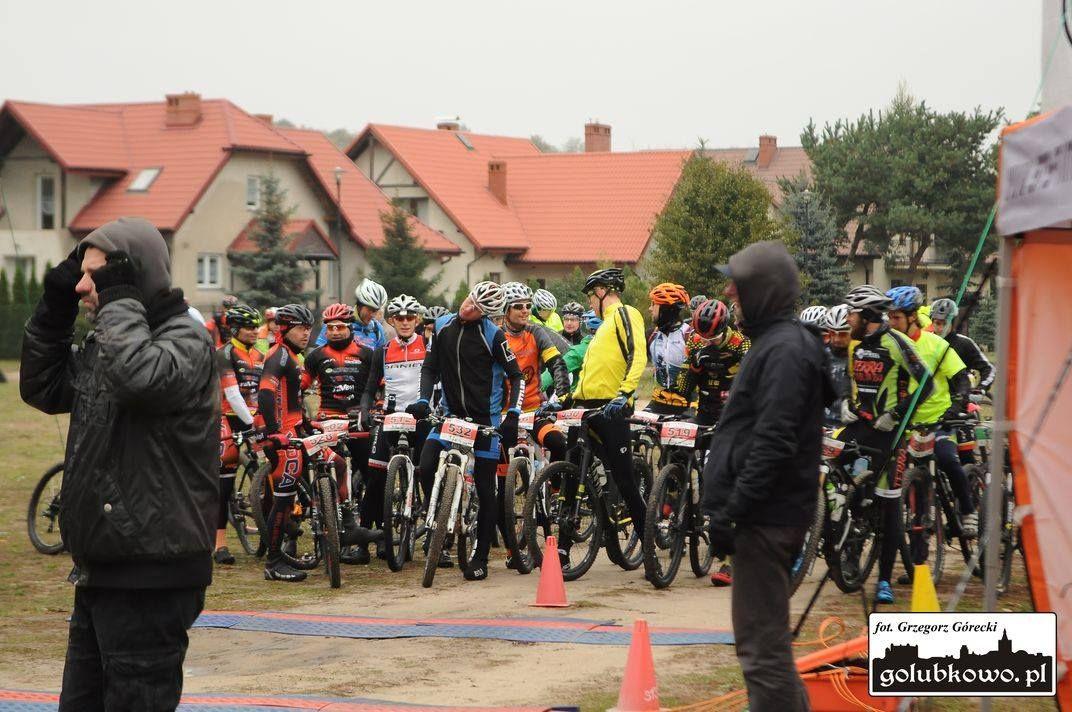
<point x="340" y="370"/>
<point x="608" y="379"/>
<point x="543" y="310"/>
<point x="816" y="317"/>
<point x="431" y="314"/>
<point x="837" y="339"/>
<point x="470" y="357"/>
<point x="948" y="399"/>
<point x="713" y="357"/>
<point x="217" y="323"/>
<point x="882" y="362"/>
<point x="696" y="301"/>
<point x="574" y="357"/>
<point x="266" y="334"/>
<point x="370" y="297"/>
<point x="572" y="329"/>
<point x="666" y="348"/>
<point x="239" y="366"/>
<point x="943" y="312"/>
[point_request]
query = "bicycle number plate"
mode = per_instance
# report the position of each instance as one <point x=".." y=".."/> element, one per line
<point x="399" y="422"/>
<point x="832" y="447"/>
<point x="679" y="433"/>
<point x="314" y="443"/>
<point x="643" y="415"/>
<point x="527" y="422"/>
<point x="921" y="445"/>
<point x="459" y="432"/>
<point x="338" y="425"/>
<point x="571" y="418"/>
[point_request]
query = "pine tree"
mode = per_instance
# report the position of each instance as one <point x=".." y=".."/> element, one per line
<point x="20" y="290"/>
<point x="272" y="274"/>
<point x="459" y="296"/>
<point x="5" y="289"/>
<point x="35" y="290"/>
<point x="824" y="276"/>
<point x="400" y="263"/>
<point x="982" y="327"/>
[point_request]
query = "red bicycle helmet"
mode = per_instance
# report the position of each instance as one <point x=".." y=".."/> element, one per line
<point x="339" y="312"/>
<point x="710" y="319"/>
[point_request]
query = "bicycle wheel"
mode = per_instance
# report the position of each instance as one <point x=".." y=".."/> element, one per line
<point x="623" y="537"/>
<point x="239" y="513"/>
<point x="977" y="490"/>
<point x="803" y="562"/>
<point x="442" y="517"/>
<point x="547" y="514"/>
<point x="850" y="545"/>
<point x="467" y="527"/>
<point x="43" y="515"/>
<point x="664" y="526"/>
<point x="1010" y="535"/>
<point x="328" y="511"/>
<point x="516" y="488"/>
<point x="924" y="531"/>
<point x="260" y="504"/>
<point x="397" y="527"/>
<point x="300" y="551"/>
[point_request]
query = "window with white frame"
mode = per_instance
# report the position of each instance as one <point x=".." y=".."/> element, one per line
<point x="46" y="202"/>
<point x="253" y="192"/>
<point x="143" y="180"/>
<point x="209" y="271"/>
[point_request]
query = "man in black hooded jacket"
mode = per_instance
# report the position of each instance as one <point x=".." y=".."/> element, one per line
<point x="762" y="472"/>
<point x="140" y="480"/>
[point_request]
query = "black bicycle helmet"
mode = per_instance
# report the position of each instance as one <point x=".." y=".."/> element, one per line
<point x="611" y="278"/>
<point x="294" y="315"/>
<point x="243" y="316"/>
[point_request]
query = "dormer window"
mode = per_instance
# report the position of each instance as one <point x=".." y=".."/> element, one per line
<point x="143" y="180"/>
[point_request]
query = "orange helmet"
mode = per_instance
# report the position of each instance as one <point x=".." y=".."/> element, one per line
<point x="668" y="293"/>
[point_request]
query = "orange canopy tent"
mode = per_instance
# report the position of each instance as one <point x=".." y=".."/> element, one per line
<point x="1034" y="388"/>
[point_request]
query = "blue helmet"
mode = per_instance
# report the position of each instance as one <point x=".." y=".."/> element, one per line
<point x="906" y="299"/>
<point x="591" y="321"/>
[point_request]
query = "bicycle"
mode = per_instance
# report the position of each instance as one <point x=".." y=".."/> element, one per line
<point x="522" y="460"/>
<point x="453" y="480"/>
<point x="597" y="516"/>
<point x="402" y="508"/>
<point x="43" y="514"/>
<point x="645" y="430"/>
<point x="239" y="510"/>
<point x="674" y="510"/>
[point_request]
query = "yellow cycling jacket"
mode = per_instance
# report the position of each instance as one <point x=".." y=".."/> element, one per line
<point x="616" y="357"/>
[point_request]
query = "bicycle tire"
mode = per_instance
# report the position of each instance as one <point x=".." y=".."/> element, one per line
<point x="52" y="513"/>
<point x="927" y="545"/>
<point x="977" y="490"/>
<point x="397" y="529"/>
<point x="630" y="556"/>
<point x="1010" y="539"/>
<point x="442" y="516"/>
<point x="802" y="565"/>
<point x="328" y="511"/>
<point x="467" y="529"/>
<point x="860" y="547"/>
<point x="701" y="555"/>
<point x="668" y="512"/>
<point x="239" y="514"/>
<point x="515" y="488"/>
<point x="260" y="493"/>
<point x="542" y="518"/>
<point x="311" y="559"/>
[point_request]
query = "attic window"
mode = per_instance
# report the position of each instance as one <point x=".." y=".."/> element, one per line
<point x="752" y="155"/>
<point x="144" y="180"/>
<point x="465" y="141"/>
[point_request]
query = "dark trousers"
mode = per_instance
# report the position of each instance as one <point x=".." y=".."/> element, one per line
<point x="761" y="564"/>
<point x="125" y="648"/>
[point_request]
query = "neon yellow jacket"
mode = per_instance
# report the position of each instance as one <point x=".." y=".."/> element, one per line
<point x="554" y="321"/>
<point x="615" y="358"/>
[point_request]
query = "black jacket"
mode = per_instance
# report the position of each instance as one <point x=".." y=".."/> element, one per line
<point x="763" y="466"/>
<point x="973" y="358"/>
<point x="141" y="471"/>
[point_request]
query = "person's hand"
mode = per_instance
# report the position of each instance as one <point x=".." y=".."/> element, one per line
<point x="886" y="422"/>
<point x="58" y="295"/>
<point x="281" y="441"/>
<point x="847" y="414"/>
<point x="508" y="429"/>
<point x="617" y="407"/>
<point x="419" y="410"/>
<point x="953" y="413"/>
<point x="116" y="279"/>
<point x="720" y="530"/>
<point x="553" y="406"/>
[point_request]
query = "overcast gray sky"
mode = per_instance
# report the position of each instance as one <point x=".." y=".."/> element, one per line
<point x="661" y="73"/>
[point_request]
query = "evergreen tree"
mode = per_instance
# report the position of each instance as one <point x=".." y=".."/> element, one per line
<point x="459" y="296"/>
<point x="272" y="275"/>
<point x="400" y="263"/>
<point x="5" y="289"/>
<point x="982" y="326"/>
<point x="35" y="289"/>
<point x="824" y="276"/>
<point x="20" y="290"/>
<point x="716" y="210"/>
<point x="569" y="288"/>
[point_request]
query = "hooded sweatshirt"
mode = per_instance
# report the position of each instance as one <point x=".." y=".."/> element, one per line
<point x="146" y="247"/>
<point x="763" y="467"/>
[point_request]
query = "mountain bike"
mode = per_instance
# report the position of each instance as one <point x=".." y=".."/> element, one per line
<point x="674" y="511"/>
<point x="43" y="514"/>
<point x="453" y="506"/>
<point x="402" y="507"/>
<point x="852" y="516"/>
<point x="239" y="508"/>
<point x="523" y="460"/>
<point x="596" y="514"/>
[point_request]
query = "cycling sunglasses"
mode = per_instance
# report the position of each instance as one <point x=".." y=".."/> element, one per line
<point x="522" y="305"/>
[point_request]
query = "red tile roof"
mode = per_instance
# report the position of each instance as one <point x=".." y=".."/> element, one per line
<point x="362" y="200"/>
<point x="304" y="236"/>
<point x="788" y="162"/>
<point x="456" y="177"/>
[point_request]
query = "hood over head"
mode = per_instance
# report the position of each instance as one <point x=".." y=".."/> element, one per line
<point x="768" y="282"/>
<point x="141" y="240"/>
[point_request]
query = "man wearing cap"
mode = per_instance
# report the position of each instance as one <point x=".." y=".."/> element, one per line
<point x="762" y="471"/>
<point x="141" y="477"/>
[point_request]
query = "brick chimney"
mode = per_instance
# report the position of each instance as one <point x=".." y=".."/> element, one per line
<point x="183" y="109"/>
<point x="768" y="146"/>
<point x="596" y="138"/>
<point x="266" y="118"/>
<point x="449" y="123"/>
<point x="497" y="180"/>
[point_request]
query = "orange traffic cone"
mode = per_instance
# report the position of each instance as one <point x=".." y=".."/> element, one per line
<point x="551" y="591"/>
<point x="639" y="692"/>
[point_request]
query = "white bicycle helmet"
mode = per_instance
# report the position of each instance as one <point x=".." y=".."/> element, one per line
<point x="944" y="309"/>
<point x="542" y="300"/>
<point x="489" y="297"/>
<point x="837" y="319"/>
<point x="404" y="305"/>
<point x="516" y="292"/>
<point x="867" y="296"/>
<point x="814" y="315"/>
<point x="371" y="294"/>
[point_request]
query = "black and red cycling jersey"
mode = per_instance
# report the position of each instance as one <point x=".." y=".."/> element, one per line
<point x="239" y="365"/>
<point x="279" y="399"/>
<point x="341" y="373"/>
